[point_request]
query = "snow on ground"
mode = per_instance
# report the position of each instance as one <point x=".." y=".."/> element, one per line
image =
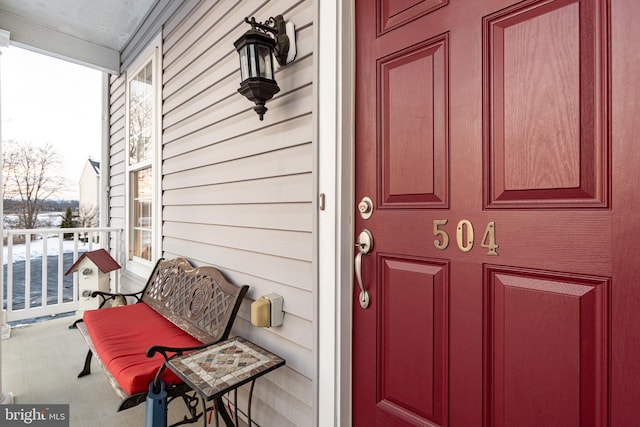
<point x="36" y="248"/>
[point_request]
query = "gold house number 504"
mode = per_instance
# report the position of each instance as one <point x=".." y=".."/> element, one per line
<point x="464" y="236"/>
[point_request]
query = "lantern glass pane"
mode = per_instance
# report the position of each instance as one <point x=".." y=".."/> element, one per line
<point x="266" y="65"/>
<point x="244" y="63"/>
<point x="253" y="61"/>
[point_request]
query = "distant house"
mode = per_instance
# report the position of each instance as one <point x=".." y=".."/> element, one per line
<point x="89" y="191"/>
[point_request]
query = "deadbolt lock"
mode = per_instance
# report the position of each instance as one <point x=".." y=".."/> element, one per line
<point x="365" y="207"/>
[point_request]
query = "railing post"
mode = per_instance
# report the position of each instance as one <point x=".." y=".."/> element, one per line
<point x="5" y="330"/>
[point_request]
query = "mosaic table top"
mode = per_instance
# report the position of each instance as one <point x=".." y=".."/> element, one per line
<point x="215" y="370"/>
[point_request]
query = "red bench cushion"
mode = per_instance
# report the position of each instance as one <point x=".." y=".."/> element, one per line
<point x="121" y="337"/>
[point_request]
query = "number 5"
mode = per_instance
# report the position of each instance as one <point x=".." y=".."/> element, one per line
<point x="442" y="245"/>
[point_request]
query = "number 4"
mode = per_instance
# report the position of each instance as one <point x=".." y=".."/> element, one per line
<point x="489" y="239"/>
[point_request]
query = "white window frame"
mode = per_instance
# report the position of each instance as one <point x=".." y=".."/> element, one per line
<point x="136" y="265"/>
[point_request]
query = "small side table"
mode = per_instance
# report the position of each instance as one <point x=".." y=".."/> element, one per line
<point x="214" y="371"/>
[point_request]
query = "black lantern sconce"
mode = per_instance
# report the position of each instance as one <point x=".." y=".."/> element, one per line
<point x="256" y="48"/>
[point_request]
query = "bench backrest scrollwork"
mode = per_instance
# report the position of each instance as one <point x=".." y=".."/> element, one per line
<point x="198" y="300"/>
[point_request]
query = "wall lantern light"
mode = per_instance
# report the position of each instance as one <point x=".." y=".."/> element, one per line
<point x="255" y="48"/>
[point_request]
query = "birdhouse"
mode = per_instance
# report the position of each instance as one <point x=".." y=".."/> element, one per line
<point x="93" y="268"/>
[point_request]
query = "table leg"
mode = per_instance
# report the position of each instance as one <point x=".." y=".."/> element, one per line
<point x="235" y="406"/>
<point x="249" y="404"/>
<point x="223" y="412"/>
<point x="204" y="411"/>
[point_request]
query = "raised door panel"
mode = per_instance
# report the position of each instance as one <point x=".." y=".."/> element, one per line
<point x="546" y="348"/>
<point x="413" y="134"/>
<point x="412" y="340"/>
<point x="546" y="137"/>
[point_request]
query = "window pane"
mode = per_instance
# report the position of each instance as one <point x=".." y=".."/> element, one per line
<point x="141" y="218"/>
<point x="140" y="115"/>
<point x="142" y="244"/>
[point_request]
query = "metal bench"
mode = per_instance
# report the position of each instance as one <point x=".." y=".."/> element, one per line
<point x="200" y="302"/>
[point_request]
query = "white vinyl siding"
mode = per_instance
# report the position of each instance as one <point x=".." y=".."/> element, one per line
<point x="117" y="152"/>
<point x="237" y="192"/>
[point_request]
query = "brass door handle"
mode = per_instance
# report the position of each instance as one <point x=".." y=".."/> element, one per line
<point x="364" y="245"/>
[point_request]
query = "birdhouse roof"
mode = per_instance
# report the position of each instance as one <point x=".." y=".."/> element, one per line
<point x="100" y="258"/>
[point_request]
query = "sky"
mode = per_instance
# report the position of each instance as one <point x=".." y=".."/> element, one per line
<point x="47" y="100"/>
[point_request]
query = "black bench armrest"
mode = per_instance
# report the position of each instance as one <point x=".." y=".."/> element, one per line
<point x="166" y="354"/>
<point x="178" y="351"/>
<point x="108" y="296"/>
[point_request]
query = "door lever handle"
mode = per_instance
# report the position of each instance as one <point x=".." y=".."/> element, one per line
<point x="364" y="245"/>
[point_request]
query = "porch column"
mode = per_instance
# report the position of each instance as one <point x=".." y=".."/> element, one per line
<point x="5" y="398"/>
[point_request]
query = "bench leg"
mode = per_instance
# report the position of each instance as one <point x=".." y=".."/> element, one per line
<point x="87" y="365"/>
<point x="75" y="324"/>
<point x="191" y="402"/>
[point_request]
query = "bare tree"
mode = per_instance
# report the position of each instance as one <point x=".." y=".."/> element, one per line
<point x="87" y="216"/>
<point x="31" y="174"/>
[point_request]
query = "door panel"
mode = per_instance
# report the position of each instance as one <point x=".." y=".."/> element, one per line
<point x="484" y="137"/>
<point x="413" y="134"/>
<point x="546" y="129"/>
<point x="546" y="341"/>
<point x="413" y="291"/>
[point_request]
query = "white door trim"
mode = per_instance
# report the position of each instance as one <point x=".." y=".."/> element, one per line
<point x="335" y="138"/>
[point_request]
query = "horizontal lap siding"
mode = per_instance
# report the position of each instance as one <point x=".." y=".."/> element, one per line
<point x="116" y="151"/>
<point x="237" y="192"/>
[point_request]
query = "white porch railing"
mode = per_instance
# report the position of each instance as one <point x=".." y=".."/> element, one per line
<point x="32" y="276"/>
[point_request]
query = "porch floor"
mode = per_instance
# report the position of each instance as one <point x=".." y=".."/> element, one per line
<point x="40" y="364"/>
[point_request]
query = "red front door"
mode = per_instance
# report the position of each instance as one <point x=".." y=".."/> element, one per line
<point x="498" y="142"/>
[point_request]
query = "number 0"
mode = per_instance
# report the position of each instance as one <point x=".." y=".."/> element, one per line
<point x="464" y="245"/>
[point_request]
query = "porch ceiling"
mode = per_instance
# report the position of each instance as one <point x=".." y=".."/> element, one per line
<point x="87" y="32"/>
